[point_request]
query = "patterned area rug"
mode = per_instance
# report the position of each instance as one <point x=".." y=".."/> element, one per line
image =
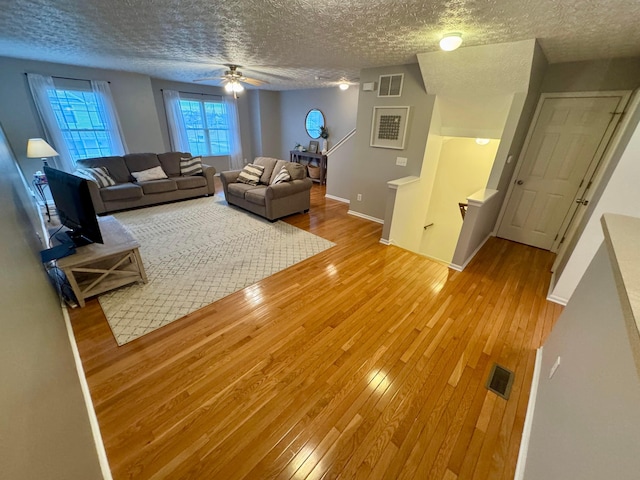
<point x="196" y="252"/>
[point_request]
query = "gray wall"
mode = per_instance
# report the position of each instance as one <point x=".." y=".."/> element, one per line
<point x="586" y="423"/>
<point x="339" y="108"/>
<point x="611" y="74"/>
<point x="374" y="167"/>
<point x="132" y="95"/>
<point x="44" y="425"/>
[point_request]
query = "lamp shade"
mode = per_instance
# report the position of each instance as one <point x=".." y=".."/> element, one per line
<point x="38" y="148"/>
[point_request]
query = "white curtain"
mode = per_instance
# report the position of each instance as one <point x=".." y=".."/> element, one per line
<point x="108" y="114"/>
<point x="40" y="87"/>
<point x="235" y="146"/>
<point x="175" y="121"/>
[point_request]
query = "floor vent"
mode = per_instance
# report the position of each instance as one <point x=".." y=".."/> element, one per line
<point x="500" y="381"/>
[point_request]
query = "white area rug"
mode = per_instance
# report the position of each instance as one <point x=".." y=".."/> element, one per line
<point x="196" y="252"/>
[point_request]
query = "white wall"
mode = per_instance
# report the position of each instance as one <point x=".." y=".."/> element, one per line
<point x="463" y="169"/>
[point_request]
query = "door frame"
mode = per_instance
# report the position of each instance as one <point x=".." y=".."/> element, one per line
<point x="595" y="166"/>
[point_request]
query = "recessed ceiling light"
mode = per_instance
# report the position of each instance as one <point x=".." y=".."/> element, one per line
<point x="482" y="141"/>
<point x="343" y="86"/>
<point x="451" y="41"/>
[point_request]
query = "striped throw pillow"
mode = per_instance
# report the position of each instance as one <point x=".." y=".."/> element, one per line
<point x="100" y="175"/>
<point x="282" y="176"/>
<point x="190" y="166"/>
<point x="251" y="174"/>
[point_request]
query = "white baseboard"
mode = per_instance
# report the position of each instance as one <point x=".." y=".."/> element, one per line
<point x="528" y="419"/>
<point x="366" y="217"/>
<point x="558" y="300"/>
<point x="384" y="241"/>
<point x="339" y="199"/>
<point x="91" y="413"/>
<point x="459" y="268"/>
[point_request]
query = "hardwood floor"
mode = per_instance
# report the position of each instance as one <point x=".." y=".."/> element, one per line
<point x="365" y="361"/>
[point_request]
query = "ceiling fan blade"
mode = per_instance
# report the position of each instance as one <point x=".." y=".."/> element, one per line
<point x="255" y="82"/>
<point x="207" y="79"/>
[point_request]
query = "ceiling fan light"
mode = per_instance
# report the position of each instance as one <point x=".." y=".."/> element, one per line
<point x="451" y="41"/>
<point x="228" y="87"/>
<point x="237" y="87"/>
<point x="343" y="86"/>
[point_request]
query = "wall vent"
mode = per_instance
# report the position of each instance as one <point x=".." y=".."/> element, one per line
<point x="390" y="85"/>
<point x="500" y="381"/>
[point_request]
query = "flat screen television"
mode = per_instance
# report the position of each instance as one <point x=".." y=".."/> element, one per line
<point x="74" y="206"/>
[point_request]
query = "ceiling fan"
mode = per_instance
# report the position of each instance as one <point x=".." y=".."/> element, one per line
<point x="233" y="79"/>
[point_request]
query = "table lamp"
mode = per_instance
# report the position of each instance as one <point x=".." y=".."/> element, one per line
<point x="38" y="148"/>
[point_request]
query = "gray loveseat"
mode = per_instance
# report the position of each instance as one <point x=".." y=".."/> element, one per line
<point x="266" y="199"/>
<point x="127" y="193"/>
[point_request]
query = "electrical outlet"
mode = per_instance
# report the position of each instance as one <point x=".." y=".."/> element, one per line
<point x="554" y="367"/>
<point x="359" y="197"/>
<point x="402" y="161"/>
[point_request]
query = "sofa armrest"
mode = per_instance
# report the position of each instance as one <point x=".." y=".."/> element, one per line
<point x="284" y="189"/>
<point x="96" y="199"/>
<point x="208" y="172"/>
<point x="228" y="177"/>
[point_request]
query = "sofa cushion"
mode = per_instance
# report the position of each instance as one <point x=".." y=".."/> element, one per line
<point x="190" y="166"/>
<point x="256" y="195"/>
<point x="159" y="186"/>
<point x="155" y="173"/>
<point x="116" y="166"/>
<point x="239" y="189"/>
<point x="193" y="181"/>
<point x="137" y="162"/>
<point x="282" y="175"/>
<point x="121" y="191"/>
<point x="268" y="164"/>
<point x="170" y="162"/>
<point x="250" y="174"/>
<point x="100" y="175"/>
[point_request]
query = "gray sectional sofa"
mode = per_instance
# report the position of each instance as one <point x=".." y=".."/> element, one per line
<point x="127" y="193"/>
<point x="266" y="199"/>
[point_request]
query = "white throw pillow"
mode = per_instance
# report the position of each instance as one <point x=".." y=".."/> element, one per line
<point x="155" y="173"/>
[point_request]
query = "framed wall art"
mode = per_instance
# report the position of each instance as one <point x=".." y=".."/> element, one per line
<point x="389" y="127"/>
<point x="313" y="146"/>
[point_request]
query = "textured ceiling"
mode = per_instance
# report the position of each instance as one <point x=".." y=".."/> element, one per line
<point x="301" y="43"/>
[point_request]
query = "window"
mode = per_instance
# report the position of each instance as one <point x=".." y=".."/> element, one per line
<point x="207" y="126"/>
<point x="81" y="123"/>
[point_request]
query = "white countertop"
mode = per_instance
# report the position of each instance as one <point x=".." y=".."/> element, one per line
<point x="622" y="236"/>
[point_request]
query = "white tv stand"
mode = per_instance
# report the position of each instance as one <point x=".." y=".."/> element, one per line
<point x="98" y="268"/>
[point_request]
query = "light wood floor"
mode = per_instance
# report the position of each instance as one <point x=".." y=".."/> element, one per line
<point x="365" y="361"/>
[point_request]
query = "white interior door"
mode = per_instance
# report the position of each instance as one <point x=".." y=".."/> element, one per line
<point x="565" y="144"/>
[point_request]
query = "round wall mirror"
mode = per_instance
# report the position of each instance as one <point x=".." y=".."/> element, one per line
<point x="313" y="122"/>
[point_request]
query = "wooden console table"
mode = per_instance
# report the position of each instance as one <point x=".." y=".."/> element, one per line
<point x="308" y="157"/>
<point x="97" y="268"/>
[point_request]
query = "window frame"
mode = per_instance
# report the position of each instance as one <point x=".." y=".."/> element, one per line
<point x="207" y="130"/>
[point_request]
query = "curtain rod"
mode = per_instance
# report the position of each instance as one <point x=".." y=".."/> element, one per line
<point x="67" y="78"/>
<point x="198" y="93"/>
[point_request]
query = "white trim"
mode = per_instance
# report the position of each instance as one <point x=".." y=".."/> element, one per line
<point x="384" y="241"/>
<point x="341" y="142"/>
<point x="366" y="217"/>
<point x="401" y="182"/>
<point x="459" y="268"/>
<point x="481" y="197"/>
<point x="93" y="419"/>
<point x="528" y="419"/>
<point x="338" y="199"/>
<point x="559" y="300"/>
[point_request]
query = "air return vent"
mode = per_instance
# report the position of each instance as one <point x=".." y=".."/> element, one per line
<point x="500" y="381"/>
<point x="390" y="85"/>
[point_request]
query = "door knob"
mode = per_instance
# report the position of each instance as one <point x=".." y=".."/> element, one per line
<point x="519" y="182"/>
